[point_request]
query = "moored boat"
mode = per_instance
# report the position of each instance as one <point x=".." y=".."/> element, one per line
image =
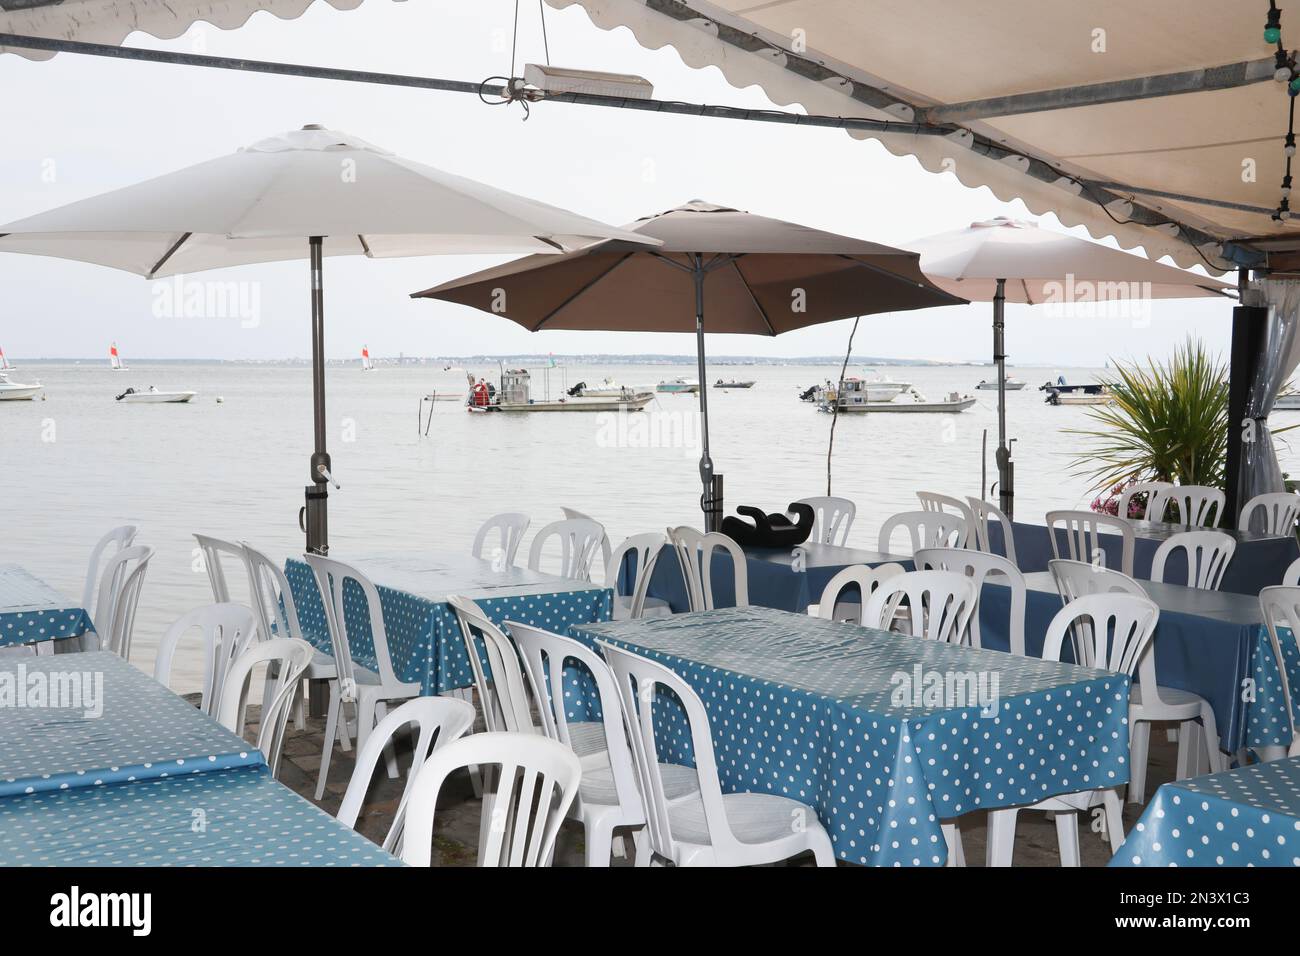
<point x="152" y="396"/>
<point x="515" y="395"/>
<point x="11" y="391"/>
<point x="733" y="384"/>
<point x="678" y="386"/>
<point x="851" y="399"/>
<point x="1011" y="384"/>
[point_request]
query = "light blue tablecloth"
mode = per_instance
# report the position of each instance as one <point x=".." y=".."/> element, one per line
<point x="88" y="719"/>
<point x="803" y="707"/>
<point x="1244" y="817"/>
<point x="237" y="817"/>
<point x="424" y="639"/>
<point x="31" y="610"/>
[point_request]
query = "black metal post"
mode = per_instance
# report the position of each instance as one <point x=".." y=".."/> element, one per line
<point x="1247" y="327"/>
<point x="711" y="497"/>
<point x="1006" y="470"/>
<point x="316" y="511"/>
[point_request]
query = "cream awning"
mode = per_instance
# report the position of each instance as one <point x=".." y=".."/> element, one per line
<point x="1046" y="102"/>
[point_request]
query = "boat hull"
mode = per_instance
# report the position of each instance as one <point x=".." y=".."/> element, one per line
<point x="993" y="386"/>
<point x="19" y="393"/>
<point x="157" y="398"/>
<point x="912" y="408"/>
<point x="733" y="385"/>
<point x="583" y="404"/>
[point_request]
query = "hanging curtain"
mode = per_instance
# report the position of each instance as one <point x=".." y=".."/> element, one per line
<point x="1279" y="355"/>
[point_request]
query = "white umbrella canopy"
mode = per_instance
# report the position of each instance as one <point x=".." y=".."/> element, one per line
<point x="309" y="193"/>
<point x="1009" y="260"/>
<point x="1036" y="262"/>
<point x="261" y="203"/>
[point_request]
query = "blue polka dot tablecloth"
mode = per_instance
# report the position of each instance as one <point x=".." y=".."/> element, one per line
<point x="238" y="817"/>
<point x="424" y="639"/>
<point x="853" y="722"/>
<point x="31" y="610"/>
<point x="1244" y="817"/>
<point x="88" y="719"/>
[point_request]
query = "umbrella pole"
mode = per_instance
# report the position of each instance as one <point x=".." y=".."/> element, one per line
<point x="316" y="511"/>
<point x="711" y="498"/>
<point x="1006" y="470"/>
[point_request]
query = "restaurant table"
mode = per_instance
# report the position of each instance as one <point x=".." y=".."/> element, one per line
<point x="1249" y="816"/>
<point x="424" y="638"/>
<point x="788" y="579"/>
<point x="1260" y="559"/>
<point x="813" y="710"/>
<point x="31" y="610"/>
<point x="233" y="817"/>
<point x="1212" y="643"/>
<point x="90" y="719"/>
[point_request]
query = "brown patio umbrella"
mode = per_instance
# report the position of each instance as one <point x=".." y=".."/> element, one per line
<point x="747" y="274"/>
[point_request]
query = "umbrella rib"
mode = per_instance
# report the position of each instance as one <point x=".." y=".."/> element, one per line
<point x="1028" y="298"/>
<point x="919" y="285"/>
<point x="568" y="301"/>
<point x="753" y="298"/>
<point x="170" y="252"/>
<point x="365" y="246"/>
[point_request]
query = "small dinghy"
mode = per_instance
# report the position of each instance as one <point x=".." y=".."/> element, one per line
<point x="151" y="396"/>
<point x="678" y="386"/>
<point x="732" y="384"/>
<point x="1012" y="385"/>
<point x="11" y="391"/>
<point x="853" y="402"/>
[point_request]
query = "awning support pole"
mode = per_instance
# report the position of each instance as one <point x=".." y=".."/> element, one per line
<point x="316" y="510"/>
<point x="1006" y="470"/>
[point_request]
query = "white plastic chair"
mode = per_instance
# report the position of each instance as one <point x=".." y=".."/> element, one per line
<point x="1277" y="513"/>
<point x="1081" y="537"/>
<point x="1291" y="577"/>
<point x="119" y="596"/>
<point x="509" y="527"/>
<point x="371" y="691"/>
<point x="1156" y="500"/>
<point x="709" y="828"/>
<point x="636" y="603"/>
<point x="579" y="540"/>
<point x="695" y="557"/>
<point x="1197" y="505"/>
<point x="1208" y="554"/>
<point x="1074" y="579"/>
<point x="982" y="512"/>
<point x="926" y="529"/>
<point x="438" y="721"/>
<point x="226" y="631"/>
<point x="213" y="551"/>
<point x="291" y="658"/>
<point x="605" y="549"/>
<point x="105" y="548"/>
<point x="832" y="519"/>
<point x="865" y="578"/>
<point x="277" y="616"/>
<point x="537" y="783"/>
<point x="1121" y="626"/>
<point x="502" y="691"/>
<point x="608" y="797"/>
<point x="979" y="566"/>
<point x="947" y="504"/>
<point x="940" y="604"/>
<point x="1280" y="605"/>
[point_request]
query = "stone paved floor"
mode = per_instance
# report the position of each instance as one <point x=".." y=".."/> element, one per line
<point x="457" y="820"/>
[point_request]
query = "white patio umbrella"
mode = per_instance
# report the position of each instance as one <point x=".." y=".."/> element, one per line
<point x="1007" y="260"/>
<point x="310" y="193"/>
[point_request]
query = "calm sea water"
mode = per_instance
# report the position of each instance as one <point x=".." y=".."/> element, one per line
<point x="80" y="463"/>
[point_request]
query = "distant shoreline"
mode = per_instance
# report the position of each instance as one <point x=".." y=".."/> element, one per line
<point x="856" y="361"/>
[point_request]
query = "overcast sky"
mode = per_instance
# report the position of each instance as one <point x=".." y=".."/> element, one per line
<point x="77" y="126"/>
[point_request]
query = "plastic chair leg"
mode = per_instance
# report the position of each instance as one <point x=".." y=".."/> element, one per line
<point x="1067" y="836"/>
<point x="1001" y="837"/>
<point x="1139" y="747"/>
<point x="952" y="836"/>
<point x="1114" y="819"/>
<point x="331" y="731"/>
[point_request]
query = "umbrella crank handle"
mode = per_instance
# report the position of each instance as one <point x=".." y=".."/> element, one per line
<point x="325" y="473"/>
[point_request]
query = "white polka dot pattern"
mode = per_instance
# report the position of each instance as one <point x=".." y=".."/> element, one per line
<point x="424" y="639"/>
<point x="144" y="732"/>
<point x="1266" y="715"/>
<point x="801" y="707"/>
<point x="1244" y="817"/>
<point x="238" y="817"/>
<point x="31" y="610"/>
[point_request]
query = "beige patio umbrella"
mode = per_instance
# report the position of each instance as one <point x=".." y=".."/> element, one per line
<point x="1007" y="260"/>
<point x="717" y="270"/>
<point x="308" y="193"/>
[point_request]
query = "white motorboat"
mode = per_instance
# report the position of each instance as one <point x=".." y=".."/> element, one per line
<point x="678" y="386"/>
<point x="11" y="391"/>
<point x="855" y="400"/>
<point x="1012" y="385"/>
<point x="606" y="389"/>
<point x="151" y="396"/>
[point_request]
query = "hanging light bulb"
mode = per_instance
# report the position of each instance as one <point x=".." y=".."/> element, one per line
<point x="1283" y="211"/>
<point x="1289" y="148"/>
<point x="1286" y="186"/>
<point x="1281" y="67"/>
<point x="1273" y="28"/>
